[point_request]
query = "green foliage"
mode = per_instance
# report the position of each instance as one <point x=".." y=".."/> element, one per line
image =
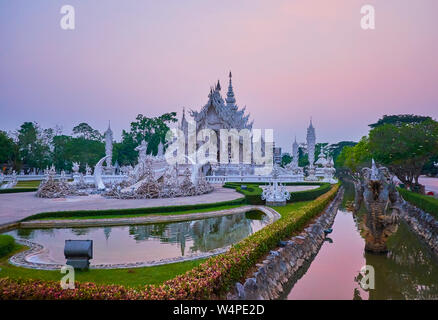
<point x="8" y="150"/>
<point x="399" y="120"/>
<point x="86" y="132"/>
<point x="33" y="144"/>
<point x="405" y="148"/>
<point x="286" y="159"/>
<point x="355" y="158"/>
<point x="18" y="190"/>
<point x="153" y="130"/>
<point x="336" y="149"/>
<point x="7" y="244"/>
<point x="427" y="203"/>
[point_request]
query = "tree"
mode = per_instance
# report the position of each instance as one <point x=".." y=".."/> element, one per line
<point x="33" y="145"/>
<point x="153" y="130"/>
<point x="355" y="157"/>
<point x="8" y="149"/>
<point x="286" y="159"/>
<point x="405" y="148"/>
<point x="85" y="131"/>
<point x="399" y="120"/>
<point x="336" y="149"/>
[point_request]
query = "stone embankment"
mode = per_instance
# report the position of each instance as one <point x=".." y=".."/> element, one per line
<point x="422" y="223"/>
<point x="285" y="262"/>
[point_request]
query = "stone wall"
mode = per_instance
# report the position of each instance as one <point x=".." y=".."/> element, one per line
<point x="285" y="262"/>
<point x="422" y="223"/>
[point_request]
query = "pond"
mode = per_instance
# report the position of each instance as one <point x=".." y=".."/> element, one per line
<point x="408" y="271"/>
<point x="146" y="243"/>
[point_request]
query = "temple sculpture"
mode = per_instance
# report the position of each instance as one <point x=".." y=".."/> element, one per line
<point x="376" y="190"/>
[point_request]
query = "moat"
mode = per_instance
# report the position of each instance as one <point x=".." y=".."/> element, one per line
<point x="408" y="271"/>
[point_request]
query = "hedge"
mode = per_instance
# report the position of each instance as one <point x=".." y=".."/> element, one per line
<point x="148" y="210"/>
<point x="427" y="203"/>
<point x="7" y="244"/>
<point x="210" y="280"/>
<point x="18" y="190"/>
<point x="253" y="192"/>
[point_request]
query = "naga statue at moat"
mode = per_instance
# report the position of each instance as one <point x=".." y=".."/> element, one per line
<point x="376" y="190"/>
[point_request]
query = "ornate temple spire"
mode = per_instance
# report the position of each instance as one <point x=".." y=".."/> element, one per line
<point x="109" y="145"/>
<point x="184" y="124"/>
<point x="231" y="101"/>
<point x="218" y="86"/>
<point x="311" y="141"/>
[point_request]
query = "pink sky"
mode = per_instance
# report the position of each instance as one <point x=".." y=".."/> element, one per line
<point x="290" y="59"/>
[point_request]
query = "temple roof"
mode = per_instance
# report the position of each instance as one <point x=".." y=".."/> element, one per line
<point x="229" y="113"/>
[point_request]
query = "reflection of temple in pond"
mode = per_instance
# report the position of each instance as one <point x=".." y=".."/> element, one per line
<point x="206" y="234"/>
<point x="408" y="271"/>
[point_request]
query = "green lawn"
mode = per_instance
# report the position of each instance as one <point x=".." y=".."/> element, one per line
<point x="28" y="184"/>
<point x="135" y="277"/>
<point x="291" y="208"/>
<point x="127" y="215"/>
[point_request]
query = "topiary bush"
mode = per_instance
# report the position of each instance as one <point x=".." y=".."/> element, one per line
<point x="7" y="244"/>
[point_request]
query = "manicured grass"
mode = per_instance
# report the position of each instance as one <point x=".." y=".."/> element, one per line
<point x="427" y="203"/>
<point x="135" y="277"/>
<point x="18" y="190"/>
<point x="7" y="244"/>
<point x="28" y="184"/>
<point x="291" y="208"/>
<point x="115" y="216"/>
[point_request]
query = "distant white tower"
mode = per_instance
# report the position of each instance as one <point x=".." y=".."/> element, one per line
<point x="311" y="140"/>
<point x="109" y="146"/>
<point x="295" y="154"/>
<point x="231" y="101"/>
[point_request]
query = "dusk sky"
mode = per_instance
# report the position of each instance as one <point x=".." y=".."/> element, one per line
<point x="291" y="60"/>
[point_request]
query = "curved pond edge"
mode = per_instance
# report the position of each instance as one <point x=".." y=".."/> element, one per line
<point x="286" y="262"/>
<point x="21" y="259"/>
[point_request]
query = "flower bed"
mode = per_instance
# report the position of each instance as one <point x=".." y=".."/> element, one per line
<point x="209" y="280"/>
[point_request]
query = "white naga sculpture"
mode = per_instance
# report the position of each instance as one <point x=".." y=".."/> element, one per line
<point x="275" y="193"/>
<point x="98" y="174"/>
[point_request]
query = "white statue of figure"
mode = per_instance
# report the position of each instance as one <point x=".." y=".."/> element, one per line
<point x="63" y="177"/>
<point x="88" y="170"/>
<point x="75" y="167"/>
<point x="142" y="148"/>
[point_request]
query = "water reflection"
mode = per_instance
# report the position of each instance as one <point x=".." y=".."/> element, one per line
<point x="408" y="271"/>
<point x="139" y="243"/>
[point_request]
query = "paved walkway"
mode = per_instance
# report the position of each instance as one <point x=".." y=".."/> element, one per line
<point x="17" y="206"/>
